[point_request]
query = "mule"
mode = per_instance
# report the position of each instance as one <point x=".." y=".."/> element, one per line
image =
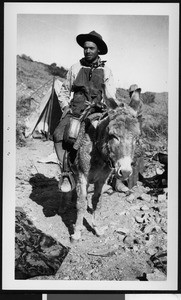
<point x="110" y="149"/>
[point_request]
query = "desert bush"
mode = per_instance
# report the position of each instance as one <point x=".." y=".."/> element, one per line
<point x="26" y="57"/>
<point x="148" y="97"/>
<point x="20" y="138"/>
<point x="23" y="109"/>
<point x="57" y="71"/>
<point x="156" y="131"/>
<point x="122" y="95"/>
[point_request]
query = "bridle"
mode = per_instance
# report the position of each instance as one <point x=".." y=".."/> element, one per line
<point x="106" y="157"/>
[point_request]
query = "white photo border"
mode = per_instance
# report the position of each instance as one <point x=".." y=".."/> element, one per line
<point x="9" y="143"/>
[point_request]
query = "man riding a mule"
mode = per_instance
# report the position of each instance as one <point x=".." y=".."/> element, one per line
<point x="90" y="84"/>
<point x="91" y="154"/>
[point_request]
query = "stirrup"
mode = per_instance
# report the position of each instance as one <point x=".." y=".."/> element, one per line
<point x="70" y="178"/>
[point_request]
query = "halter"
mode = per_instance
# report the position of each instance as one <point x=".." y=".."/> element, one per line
<point x="106" y="158"/>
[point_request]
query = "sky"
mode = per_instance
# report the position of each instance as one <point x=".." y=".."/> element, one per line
<point x="137" y="44"/>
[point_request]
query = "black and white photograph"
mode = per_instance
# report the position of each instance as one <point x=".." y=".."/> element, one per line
<point x="90" y="180"/>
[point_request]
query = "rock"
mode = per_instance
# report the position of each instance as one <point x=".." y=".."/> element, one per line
<point x="150" y="251"/>
<point x="159" y="171"/>
<point x="123" y="231"/>
<point x="145" y="197"/>
<point x="135" y="207"/>
<point x="128" y="213"/>
<point x="158" y="220"/>
<point x="139" y="183"/>
<point x="164" y="248"/>
<point x="162" y="197"/>
<point x="148" y="229"/>
<point x="107" y="189"/>
<point x="159" y="260"/>
<point x="156" y="276"/>
<point x="164" y="229"/>
<point x="144" y="207"/>
<point x="147" y="153"/>
<point x="105" y="253"/>
<point x="130" y="198"/>
<point x="129" y="241"/>
<point x="135" y="248"/>
<point x="139" y="219"/>
<point x="156" y="228"/>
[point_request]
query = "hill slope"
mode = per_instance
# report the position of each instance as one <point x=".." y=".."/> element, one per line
<point x="31" y="75"/>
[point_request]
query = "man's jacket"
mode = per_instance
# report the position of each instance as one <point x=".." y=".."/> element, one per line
<point x="87" y="82"/>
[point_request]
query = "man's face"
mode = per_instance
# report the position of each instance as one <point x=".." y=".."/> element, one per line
<point x="91" y="52"/>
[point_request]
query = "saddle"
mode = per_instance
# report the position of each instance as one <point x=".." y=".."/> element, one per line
<point x="73" y="139"/>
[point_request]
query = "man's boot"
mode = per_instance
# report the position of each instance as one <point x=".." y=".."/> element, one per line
<point x="64" y="182"/>
<point x="64" y="185"/>
<point x="67" y="182"/>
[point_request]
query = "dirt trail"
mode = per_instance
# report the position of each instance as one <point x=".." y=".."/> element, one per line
<point x="136" y="225"/>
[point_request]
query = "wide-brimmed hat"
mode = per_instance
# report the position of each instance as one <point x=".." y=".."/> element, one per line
<point x="134" y="88"/>
<point x="95" y="37"/>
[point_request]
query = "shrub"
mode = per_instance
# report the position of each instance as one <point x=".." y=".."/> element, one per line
<point x="122" y="95"/>
<point x="20" y="138"/>
<point x="148" y="97"/>
<point x="23" y="109"/>
<point x="57" y="71"/>
<point x="25" y="57"/>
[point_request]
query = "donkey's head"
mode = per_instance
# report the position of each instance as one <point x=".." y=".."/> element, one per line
<point x="122" y="132"/>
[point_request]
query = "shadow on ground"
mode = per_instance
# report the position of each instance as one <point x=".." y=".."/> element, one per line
<point x="45" y="192"/>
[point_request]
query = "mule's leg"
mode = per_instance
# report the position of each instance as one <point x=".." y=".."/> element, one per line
<point x="81" y="205"/>
<point x="96" y="206"/>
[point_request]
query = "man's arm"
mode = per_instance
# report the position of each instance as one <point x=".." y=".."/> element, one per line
<point x="65" y="91"/>
<point x="109" y="96"/>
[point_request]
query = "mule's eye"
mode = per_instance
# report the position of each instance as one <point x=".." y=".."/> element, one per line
<point x="113" y="136"/>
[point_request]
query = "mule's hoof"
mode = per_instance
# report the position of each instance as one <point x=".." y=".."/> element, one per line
<point x="99" y="231"/>
<point x="76" y="236"/>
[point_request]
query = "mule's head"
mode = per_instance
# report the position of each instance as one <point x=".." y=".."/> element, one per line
<point x="122" y="132"/>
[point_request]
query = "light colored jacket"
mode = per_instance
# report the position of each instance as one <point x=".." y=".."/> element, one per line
<point x="109" y="90"/>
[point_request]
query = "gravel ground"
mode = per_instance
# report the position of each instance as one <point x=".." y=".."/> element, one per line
<point x="136" y="224"/>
